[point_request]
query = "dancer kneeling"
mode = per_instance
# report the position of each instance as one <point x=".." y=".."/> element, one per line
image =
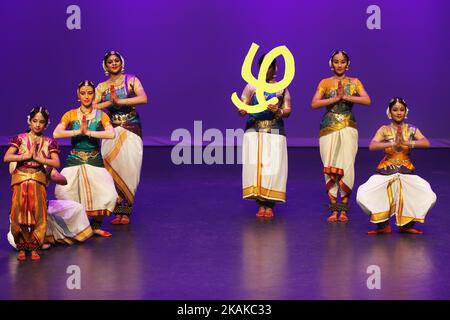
<point x="395" y="190"/>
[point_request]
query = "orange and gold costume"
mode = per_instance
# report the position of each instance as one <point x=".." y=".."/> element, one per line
<point x="28" y="213"/>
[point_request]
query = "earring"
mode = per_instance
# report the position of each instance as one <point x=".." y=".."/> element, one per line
<point x="388" y="114"/>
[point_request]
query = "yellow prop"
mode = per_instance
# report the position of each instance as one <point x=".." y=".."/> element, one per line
<point x="260" y="83"/>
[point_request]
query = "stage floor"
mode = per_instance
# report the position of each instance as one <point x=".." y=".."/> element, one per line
<point x="193" y="237"/>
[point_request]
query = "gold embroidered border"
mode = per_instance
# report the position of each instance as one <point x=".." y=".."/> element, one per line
<point x="254" y="191"/>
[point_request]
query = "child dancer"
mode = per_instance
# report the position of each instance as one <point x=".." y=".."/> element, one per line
<point x="338" y="132"/>
<point x="32" y="151"/>
<point x="395" y="190"/>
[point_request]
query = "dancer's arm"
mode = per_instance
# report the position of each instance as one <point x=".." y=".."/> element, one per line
<point x="102" y="105"/>
<point x="318" y="102"/>
<point x="140" y="98"/>
<point x="420" y="141"/>
<point x="52" y="162"/>
<point x="108" y="133"/>
<point x="11" y="156"/>
<point x="363" y="96"/>
<point x="365" y="100"/>
<point x="98" y="104"/>
<point x="378" y="142"/>
<point x="14" y="145"/>
<point x="379" y="145"/>
<point x="61" y="132"/>
<point x="57" y="178"/>
<point x="246" y="97"/>
<point x="286" y="108"/>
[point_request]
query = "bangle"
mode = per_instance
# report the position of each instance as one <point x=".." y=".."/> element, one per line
<point x="73" y="133"/>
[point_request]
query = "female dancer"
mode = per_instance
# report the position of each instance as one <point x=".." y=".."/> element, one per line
<point x="264" y="150"/>
<point x="32" y="151"/>
<point x="89" y="183"/>
<point x="395" y="190"/>
<point x="338" y="132"/>
<point x="123" y="154"/>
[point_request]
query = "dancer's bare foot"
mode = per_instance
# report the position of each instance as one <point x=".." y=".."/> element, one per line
<point x="35" y="256"/>
<point x="102" y="233"/>
<point x="45" y="246"/>
<point x="385" y="230"/>
<point x="333" y="217"/>
<point x="21" y="256"/>
<point x="261" y="212"/>
<point x="117" y="219"/>
<point x="125" y="220"/>
<point x="411" y="231"/>
<point x="343" y="217"/>
<point x="269" y="213"/>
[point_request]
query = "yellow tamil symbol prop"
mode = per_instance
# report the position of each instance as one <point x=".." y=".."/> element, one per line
<point x="260" y="83"/>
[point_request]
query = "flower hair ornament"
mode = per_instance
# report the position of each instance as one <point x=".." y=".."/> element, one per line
<point x="85" y="83"/>
<point x="330" y="62"/>
<point x="110" y="53"/>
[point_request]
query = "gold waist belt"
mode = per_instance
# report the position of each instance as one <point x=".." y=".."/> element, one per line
<point x="265" y="124"/>
<point x="85" y="155"/>
<point x="121" y="118"/>
<point x="20" y="176"/>
<point x="398" y="162"/>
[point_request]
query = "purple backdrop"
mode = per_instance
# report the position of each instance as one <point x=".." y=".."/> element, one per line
<point x="188" y="55"/>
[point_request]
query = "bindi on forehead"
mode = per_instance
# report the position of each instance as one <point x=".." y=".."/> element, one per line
<point x="114" y="59"/>
<point x="343" y="59"/>
<point x="38" y="116"/>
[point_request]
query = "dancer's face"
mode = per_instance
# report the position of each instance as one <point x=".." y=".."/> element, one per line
<point x="271" y="72"/>
<point x="339" y="63"/>
<point x="113" y="64"/>
<point x="37" y="123"/>
<point x="398" y="112"/>
<point x="86" y="95"/>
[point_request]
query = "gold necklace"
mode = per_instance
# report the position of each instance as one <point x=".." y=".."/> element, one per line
<point x="85" y="113"/>
<point x="34" y="138"/>
<point x="337" y="79"/>
<point x="394" y="126"/>
<point x="118" y="81"/>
